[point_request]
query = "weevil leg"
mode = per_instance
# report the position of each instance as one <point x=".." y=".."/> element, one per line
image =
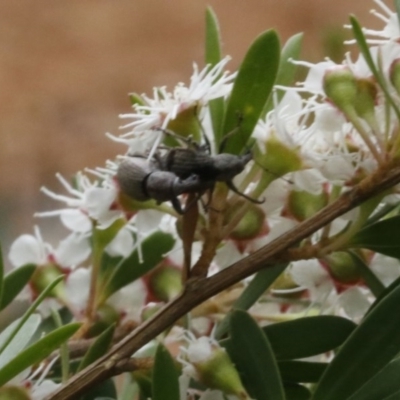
<point x="177" y="205"/>
<point x="236" y="190"/>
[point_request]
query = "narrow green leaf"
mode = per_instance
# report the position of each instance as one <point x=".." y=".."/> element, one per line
<point x="14" y="282"/>
<point x="105" y="390"/>
<point x="364" y="49"/>
<point x="165" y="376"/>
<point x="129" y="269"/>
<point x="213" y="40"/>
<point x="251" y="89"/>
<point x="370" y="279"/>
<point x="394" y="396"/>
<point x="372" y="345"/>
<point x="385" y="383"/>
<point x="259" y="284"/>
<point x="386" y="292"/>
<point x="99" y="347"/>
<point x="1" y="275"/>
<point x="296" y="392"/>
<point x="309" y="336"/>
<point x="251" y="352"/>
<point x="397" y="6"/>
<point x="64" y="352"/>
<point x="20" y="339"/>
<point x="382" y="237"/>
<point x="301" y="371"/>
<point x="37" y="352"/>
<point x="287" y="70"/>
<point x="213" y="56"/>
<point x="31" y="310"/>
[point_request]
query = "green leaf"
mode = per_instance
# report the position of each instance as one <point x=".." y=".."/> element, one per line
<point x="372" y="345"/>
<point x="1" y="275"/>
<point x="129" y="269"/>
<point x="296" y="392"/>
<point x="385" y="383"/>
<point x="213" y="40"/>
<point x="259" y="284"/>
<point x="20" y="339"/>
<point x="99" y="347"/>
<point x="370" y="279"/>
<point x="365" y="51"/>
<point x="252" y="354"/>
<point x="397" y="6"/>
<point x="37" y="352"/>
<point x="301" y="371"/>
<point x="31" y="310"/>
<point x="251" y="89"/>
<point x="165" y="376"/>
<point x="105" y="390"/>
<point x="309" y="336"/>
<point x="14" y="282"/>
<point x="382" y="237"/>
<point x="287" y="70"/>
<point x="213" y="56"/>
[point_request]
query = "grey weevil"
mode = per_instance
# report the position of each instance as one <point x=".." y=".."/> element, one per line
<point x="195" y="159"/>
<point x="141" y="180"/>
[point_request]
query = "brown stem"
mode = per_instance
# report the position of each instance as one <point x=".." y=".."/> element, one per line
<point x="199" y="289"/>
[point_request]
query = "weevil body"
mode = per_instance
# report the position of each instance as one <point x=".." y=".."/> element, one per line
<point x="222" y="167"/>
<point x="141" y="180"/>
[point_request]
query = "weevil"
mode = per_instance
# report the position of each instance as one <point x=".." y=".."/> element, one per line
<point x="141" y="180"/>
<point x="196" y="159"/>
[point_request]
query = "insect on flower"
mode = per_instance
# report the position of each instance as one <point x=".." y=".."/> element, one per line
<point x="196" y="159"/>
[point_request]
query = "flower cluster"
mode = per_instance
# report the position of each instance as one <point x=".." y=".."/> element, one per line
<point x="136" y="235"/>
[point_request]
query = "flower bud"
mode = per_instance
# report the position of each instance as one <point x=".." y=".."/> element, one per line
<point x="394" y="74"/>
<point x="43" y="276"/>
<point x="279" y="159"/>
<point x="343" y="268"/>
<point x="214" y="368"/>
<point x="366" y="97"/>
<point x="251" y="225"/>
<point x="165" y="282"/>
<point x="340" y="86"/>
<point x="303" y="205"/>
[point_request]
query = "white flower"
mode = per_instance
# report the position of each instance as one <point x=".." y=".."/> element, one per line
<point x="88" y="202"/>
<point x="205" y="85"/>
<point x="130" y="300"/>
<point x="29" y="249"/>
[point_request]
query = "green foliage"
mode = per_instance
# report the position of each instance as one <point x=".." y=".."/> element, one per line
<point x="259" y="284"/>
<point x="251" y="90"/>
<point x="37" y="352"/>
<point x="309" y="336"/>
<point x="14" y="282"/>
<point x="252" y="354"/>
<point x="382" y="236"/>
<point x="99" y="347"/>
<point x="165" y="384"/>
<point x="131" y="268"/>
<point x="372" y="345"/>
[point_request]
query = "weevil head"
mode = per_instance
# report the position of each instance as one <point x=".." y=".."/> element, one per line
<point x="227" y="166"/>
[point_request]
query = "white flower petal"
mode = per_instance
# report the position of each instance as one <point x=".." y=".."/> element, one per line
<point x="26" y="249"/>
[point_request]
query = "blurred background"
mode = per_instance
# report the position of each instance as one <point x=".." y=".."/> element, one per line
<point x="66" y="68"/>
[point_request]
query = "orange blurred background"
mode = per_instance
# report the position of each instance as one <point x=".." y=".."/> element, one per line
<point x="66" y="68"/>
